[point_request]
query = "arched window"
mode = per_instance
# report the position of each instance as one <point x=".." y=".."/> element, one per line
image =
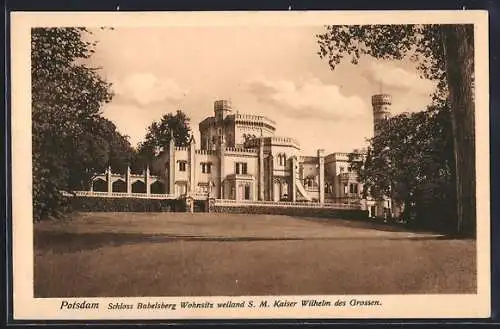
<point x="157" y="188"/>
<point x="99" y="185"/>
<point x="281" y="159"/>
<point x="119" y="186"/>
<point x="138" y="187"/>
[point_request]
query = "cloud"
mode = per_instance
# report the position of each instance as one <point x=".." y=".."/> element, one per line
<point x="398" y="78"/>
<point x="309" y="99"/>
<point x="146" y="88"/>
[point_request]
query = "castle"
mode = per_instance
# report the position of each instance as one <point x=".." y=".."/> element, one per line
<point x="240" y="158"/>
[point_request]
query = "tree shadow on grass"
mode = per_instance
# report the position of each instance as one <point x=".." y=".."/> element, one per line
<point x="382" y="226"/>
<point x="66" y="242"/>
<point x="63" y="242"/>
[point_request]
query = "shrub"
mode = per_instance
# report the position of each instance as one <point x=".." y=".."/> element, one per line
<point x="86" y="204"/>
<point x="292" y="211"/>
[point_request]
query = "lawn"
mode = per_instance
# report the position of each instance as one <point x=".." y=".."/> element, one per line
<point x="182" y="254"/>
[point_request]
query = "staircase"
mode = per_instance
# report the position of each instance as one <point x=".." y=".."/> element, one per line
<point x="301" y="191"/>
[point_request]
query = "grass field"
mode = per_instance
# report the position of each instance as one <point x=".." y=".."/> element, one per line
<point x="181" y="254"/>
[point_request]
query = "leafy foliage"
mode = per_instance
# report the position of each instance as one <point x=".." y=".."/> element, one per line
<point x="419" y="43"/>
<point x="125" y="204"/>
<point x="249" y="140"/>
<point x="411" y="160"/>
<point x="159" y="135"/>
<point x="71" y="140"/>
<point x="354" y="214"/>
<point x="443" y="53"/>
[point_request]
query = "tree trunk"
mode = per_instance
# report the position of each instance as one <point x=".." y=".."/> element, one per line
<point x="459" y="54"/>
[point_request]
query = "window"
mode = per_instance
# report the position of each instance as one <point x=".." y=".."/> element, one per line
<point x="240" y="168"/>
<point x="281" y="159"/>
<point x="353" y="188"/>
<point x="247" y="192"/>
<point x="182" y="165"/>
<point x="206" y="168"/>
<point x="342" y="169"/>
<point x="203" y="188"/>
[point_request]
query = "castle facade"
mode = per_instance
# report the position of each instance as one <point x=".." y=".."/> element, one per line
<point x="240" y="158"/>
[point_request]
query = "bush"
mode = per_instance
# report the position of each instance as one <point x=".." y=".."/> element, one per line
<point x="292" y="211"/>
<point x="86" y="204"/>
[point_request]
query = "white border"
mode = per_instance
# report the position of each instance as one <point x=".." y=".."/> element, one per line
<point x="394" y="306"/>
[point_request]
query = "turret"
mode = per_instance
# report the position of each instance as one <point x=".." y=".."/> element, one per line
<point x="381" y="111"/>
<point x="192" y="164"/>
<point x="171" y="163"/>
<point x="171" y="145"/>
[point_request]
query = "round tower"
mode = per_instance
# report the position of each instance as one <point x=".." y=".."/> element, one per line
<point x="222" y="108"/>
<point x="381" y="104"/>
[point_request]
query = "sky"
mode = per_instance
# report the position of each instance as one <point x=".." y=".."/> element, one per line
<point x="271" y="71"/>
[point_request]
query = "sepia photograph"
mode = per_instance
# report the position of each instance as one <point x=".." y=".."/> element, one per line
<point x="320" y="166"/>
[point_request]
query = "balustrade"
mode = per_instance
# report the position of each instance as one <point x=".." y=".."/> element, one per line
<point x="222" y="202"/>
<point x="125" y="195"/>
<point x="229" y="202"/>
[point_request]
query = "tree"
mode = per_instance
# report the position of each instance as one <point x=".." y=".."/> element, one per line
<point x="249" y="140"/>
<point x="71" y="140"/>
<point x="159" y="135"/>
<point x="444" y="53"/>
<point x="412" y="156"/>
<point x="99" y="146"/>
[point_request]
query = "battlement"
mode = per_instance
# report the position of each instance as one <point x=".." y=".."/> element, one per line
<point x="283" y="141"/>
<point x="278" y="139"/>
<point x="241" y="150"/>
<point x="205" y="152"/>
<point x="307" y="159"/>
<point x="222" y="104"/>
<point x="381" y="99"/>
<point x="254" y="118"/>
<point x="338" y="156"/>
